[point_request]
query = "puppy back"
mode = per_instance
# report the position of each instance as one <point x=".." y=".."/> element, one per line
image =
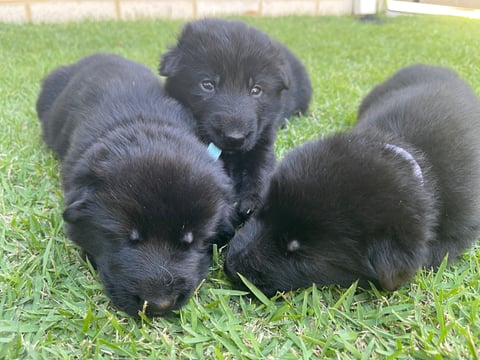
<point x="438" y="115"/>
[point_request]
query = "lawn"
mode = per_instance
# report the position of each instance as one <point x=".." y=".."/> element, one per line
<point x="51" y="302"/>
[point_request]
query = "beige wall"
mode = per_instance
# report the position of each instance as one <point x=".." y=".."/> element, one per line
<point x="71" y="10"/>
<point x="475" y="4"/>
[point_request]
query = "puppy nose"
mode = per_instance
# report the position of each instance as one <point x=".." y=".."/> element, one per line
<point x="234" y="139"/>
<point x="160" y="306"/>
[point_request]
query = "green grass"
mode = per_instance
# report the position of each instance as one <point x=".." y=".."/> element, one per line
<point x="51" y="302"/>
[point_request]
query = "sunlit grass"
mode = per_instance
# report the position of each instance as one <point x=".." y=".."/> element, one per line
<point x="52" y="304"/>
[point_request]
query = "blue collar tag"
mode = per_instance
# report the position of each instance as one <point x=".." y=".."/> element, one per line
<point x="214" y="151"/>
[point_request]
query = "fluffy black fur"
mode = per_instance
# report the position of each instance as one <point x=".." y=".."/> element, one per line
<point x="143" y="198"/>
<point x="240" y="86"/>
<point x="354" y="206"/>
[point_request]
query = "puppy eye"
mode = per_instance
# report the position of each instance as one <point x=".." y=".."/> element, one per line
<point x="208" y="85"/>
<point x="293" y="246"/>
<point x="134" y="236"/>
<point x="256" y="90"/>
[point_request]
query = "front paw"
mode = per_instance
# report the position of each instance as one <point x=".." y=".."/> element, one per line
<point x="225" y="231"/>
<point x="246" y="206"/>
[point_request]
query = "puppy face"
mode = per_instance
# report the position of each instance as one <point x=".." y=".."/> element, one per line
<point x="231" y="77"/>
<point x="147" y="229"/>
<point x="284" y="247"/>
<point x="336" y="212"/>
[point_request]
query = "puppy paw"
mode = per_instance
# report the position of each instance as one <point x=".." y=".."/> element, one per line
<point x="247" y="206"/>
<point x="225" y="231"/>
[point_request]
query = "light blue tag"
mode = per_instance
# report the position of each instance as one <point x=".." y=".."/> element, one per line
<point x="214" y="151"/>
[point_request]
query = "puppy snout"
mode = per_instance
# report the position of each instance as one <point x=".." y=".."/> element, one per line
<point x="231" y="132"/>
<point x="234" y="139"/>
<point x="160" y="306"/>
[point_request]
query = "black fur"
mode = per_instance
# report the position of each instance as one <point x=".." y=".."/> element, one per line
<point x="240" y="86"/>
<point x="143" y="198"/>
<point x="352" y="207"/>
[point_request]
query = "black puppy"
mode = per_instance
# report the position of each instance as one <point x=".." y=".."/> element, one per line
<point x="143" y="198"/>
<point x="398" y="192"/>
<point x="240" y="86"/>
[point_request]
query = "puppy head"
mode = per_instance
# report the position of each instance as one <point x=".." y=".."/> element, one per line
<point x="148" y="223"/>
<point x="285" y="248"/>
<point x="336" y="211"/>
<point x="231" y="76"/>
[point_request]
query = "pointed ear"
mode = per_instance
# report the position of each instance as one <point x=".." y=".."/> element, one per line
<point x="282" y="64"/>
<point x="100" y="164"/>
<point x="169" y="62"/>
<point x="393" y="266"/>
<point x="76" y="209"/>
<point x="285" y="76"/>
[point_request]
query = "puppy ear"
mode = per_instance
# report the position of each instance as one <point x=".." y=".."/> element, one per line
<point x="284" y="75"/>
<point x="76" y="209"/>
<point x="101" y="163"/>
<point x="283" y="65"/>
<point x="393" y="266"/>
<point x="169" y="62"/>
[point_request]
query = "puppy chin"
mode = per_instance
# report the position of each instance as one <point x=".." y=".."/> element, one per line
<point x="231" y="144"/>
<point x="230" y="149"/>
<point x="131" y="296"/>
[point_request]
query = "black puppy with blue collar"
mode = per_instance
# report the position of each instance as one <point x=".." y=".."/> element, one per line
<point x="398" y="192"/>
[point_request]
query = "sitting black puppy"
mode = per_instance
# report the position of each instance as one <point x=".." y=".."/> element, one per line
<point x="398" y="192"/>
<point x="143" y="198"/>
<point x="240" y="86"/>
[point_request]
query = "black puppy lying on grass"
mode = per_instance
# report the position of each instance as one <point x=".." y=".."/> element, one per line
<point x="143" y="197"/>
<point x="398" y="192"/>
<point x="240" y="86"/>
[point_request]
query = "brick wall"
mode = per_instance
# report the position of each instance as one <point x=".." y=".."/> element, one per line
<point x="71" y="10"/>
